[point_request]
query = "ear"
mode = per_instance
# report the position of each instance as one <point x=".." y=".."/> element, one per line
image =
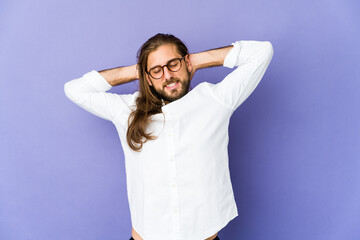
<point x="148" y="79"/>
<point x="190" y="66"/>
<point x="188" y="63"/>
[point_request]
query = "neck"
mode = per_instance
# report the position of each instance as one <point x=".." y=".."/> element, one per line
<point x="164" y="102"/>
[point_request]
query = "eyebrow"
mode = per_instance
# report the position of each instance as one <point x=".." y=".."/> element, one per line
<point x="165" y="64"/>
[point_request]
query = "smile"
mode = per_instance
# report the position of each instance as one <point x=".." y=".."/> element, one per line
<point x="172" y="85"/>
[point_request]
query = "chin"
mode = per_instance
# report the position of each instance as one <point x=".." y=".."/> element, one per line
<point x="182" y="92"/>
<point x="180" y="95"/>
<point x="183" y="89"/>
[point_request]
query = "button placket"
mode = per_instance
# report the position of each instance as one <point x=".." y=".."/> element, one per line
<point x="173" y="177"/>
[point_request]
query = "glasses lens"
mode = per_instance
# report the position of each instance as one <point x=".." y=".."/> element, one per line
<point x="156" y="72"/>
<point x="174" y="65"/>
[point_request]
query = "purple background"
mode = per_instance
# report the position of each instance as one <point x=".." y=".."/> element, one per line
<point x="294" y="143"/>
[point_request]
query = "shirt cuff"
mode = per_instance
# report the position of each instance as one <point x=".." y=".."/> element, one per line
<point x="97" y="81"/>
<point x="231" y="58"/>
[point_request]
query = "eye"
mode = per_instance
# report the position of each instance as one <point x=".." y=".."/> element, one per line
<point x="156" y="70"/>
<point x="174" y="63"/>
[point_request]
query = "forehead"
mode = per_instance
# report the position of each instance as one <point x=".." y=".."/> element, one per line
<point x="162" y="55"/>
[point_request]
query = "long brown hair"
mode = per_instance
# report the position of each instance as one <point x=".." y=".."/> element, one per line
<point x="148" y="102"/>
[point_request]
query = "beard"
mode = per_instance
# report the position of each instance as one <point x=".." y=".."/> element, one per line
<point x="173" y="94"/>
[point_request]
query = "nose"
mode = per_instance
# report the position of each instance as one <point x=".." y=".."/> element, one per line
<point x="167" y="73"/>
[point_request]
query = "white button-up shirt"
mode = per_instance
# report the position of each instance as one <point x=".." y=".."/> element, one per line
<point x="179" y="185"/>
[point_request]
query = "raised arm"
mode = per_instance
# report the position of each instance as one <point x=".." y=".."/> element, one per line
<point x="251" y="59"/>
<point x="90" y="91"/>
<point x="209" y="58"/>
<point x="120" y="75"/>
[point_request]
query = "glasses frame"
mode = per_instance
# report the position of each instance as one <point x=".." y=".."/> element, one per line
<point x="162" y="67"/>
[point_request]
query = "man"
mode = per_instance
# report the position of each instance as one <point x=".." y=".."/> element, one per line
<point x="175" y="139"/>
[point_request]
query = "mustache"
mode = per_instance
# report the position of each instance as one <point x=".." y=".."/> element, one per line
<point x="172" y="80"/>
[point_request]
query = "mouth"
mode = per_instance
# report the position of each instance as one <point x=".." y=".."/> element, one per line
<point x="172" y="85"/>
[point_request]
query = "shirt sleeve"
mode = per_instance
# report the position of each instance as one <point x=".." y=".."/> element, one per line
<point x="89" y="93"/>
<point x="251" y="59"/>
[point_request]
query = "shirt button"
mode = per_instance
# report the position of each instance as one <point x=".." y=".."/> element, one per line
<point x="173" y="185"/>
<point x="172" y="159"/>
<point x="175" y="210"/>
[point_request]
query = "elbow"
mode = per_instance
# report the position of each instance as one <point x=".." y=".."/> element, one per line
<point x="68" y="90"/>
<point x="268" y="49"/>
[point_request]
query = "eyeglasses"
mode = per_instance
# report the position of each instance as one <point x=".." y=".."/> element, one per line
<point x="173" y="65"/>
